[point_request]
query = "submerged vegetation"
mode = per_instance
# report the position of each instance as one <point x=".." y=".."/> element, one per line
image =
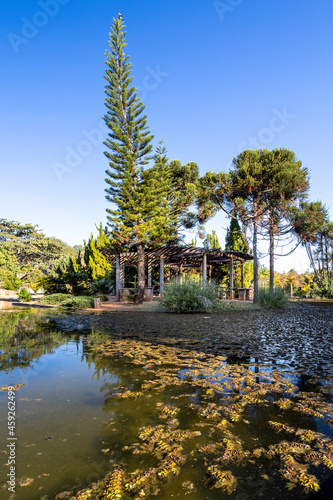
<point x="212" y="412"/>
<point x="186" y="408"/>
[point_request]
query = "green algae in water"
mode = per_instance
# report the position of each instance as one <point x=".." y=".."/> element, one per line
<point x="164" y="420"/>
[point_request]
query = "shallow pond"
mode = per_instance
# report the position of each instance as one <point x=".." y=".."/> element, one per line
<point x="234" y="405"/>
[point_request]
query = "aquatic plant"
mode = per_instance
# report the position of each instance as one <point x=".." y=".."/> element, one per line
<point x="115" y="486"/>
<point x="222" y="479"/>
<point x="225" y="393"/>
<point x="204" y="410"/>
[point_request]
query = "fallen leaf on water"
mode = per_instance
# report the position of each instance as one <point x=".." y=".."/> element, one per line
<point x="26" y="482"/>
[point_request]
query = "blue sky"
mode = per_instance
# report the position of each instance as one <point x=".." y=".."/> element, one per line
<point x="216" y="77"/>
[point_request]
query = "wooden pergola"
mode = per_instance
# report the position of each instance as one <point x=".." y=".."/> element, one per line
<point x="178" y="258"/>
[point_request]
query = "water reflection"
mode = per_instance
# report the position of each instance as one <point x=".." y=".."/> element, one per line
<point x="173" y="412"/>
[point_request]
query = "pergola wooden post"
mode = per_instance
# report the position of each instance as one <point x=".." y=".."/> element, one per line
<point x="117" y="278"/>
<point x="149" y="272"/>
<point x="242" y="274"/>
<point x="231" y="278"/>
<point x="204" y="268"/>
<point x="177" y="258"/>
<point x="161" y="276"/>
<point x="122" y="272"/>
<point x="181" y="273"/>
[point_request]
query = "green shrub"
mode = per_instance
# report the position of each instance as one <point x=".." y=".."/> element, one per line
<point x="82" y="301"/>
<point x="12" y="283"/>
<point x="54" y="299"/>
<point x="35" y="286"/>
<point x="104" y="285"/>
<point x="189" y="297"/>
<point x="65" y="300"/>
<point x="24" y="295"/>
<point x="274" y="298"/>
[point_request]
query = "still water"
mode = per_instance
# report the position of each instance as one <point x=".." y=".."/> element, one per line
<point x="232" y="406"/>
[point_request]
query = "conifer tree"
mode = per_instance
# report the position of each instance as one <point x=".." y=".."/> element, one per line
<point x="211" y="241"/>
<point x="235" y="239"/>
<point x="141" y="215"/>
<point x="287" y="186"/>
<point x="97" y="265"/>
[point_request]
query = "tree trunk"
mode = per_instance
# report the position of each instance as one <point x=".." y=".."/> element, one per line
<point x="312" y="262"/>
<point x="140" y="289"/>
<point x="332" y="269"/>
<point x="255" y="263"/>
<point x="271" y="257"/>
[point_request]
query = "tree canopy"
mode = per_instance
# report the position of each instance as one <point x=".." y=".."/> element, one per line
<point x="149" y="204"/>
<point x="24" y="250"/>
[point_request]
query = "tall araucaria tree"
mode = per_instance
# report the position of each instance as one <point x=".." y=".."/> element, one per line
<point x="310" y="221"/>
<point x="241" y="192"/>
<point x="141" y="214"/>
<point x="287" y="187"/>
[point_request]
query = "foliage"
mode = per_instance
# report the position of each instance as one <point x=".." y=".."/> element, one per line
<point x="147" y="203"/>
<point x="324" y="289"/>
<point x="9" y="265"/>
<point x="96" y="264"/>
<point x="104" y="285"/>
<point x="261" y="190"/>
<point x="35" y="286"/>
<point x="66" y="300"/>
<point x="241" y="191"/>
<point x="183" y="191"/>
<point x="315" y="233"/>
<point x="54" y="299"/>
<point x="77" y="274"/>
<point x="287" y="186"/>
<point x="52" y="284"/>
<point x="189" y="296"/>
<point x="272" y="298"/>
<point x="24" y="248"/>
<point x="78" y="302"/>
<point x="24" y="295"/>
<point x="12" y="283"/>
<point x="211" y="241"/>
<point x="235" y="239"/>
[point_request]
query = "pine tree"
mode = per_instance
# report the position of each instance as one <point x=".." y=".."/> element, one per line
<point x="288" y="183"/>
<point x="141" y="215"/>
<point x="248" y="184"/>
<point x="211" y="241"/>
<point x="235" y="239"/>
<point x="97" y="265"/>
